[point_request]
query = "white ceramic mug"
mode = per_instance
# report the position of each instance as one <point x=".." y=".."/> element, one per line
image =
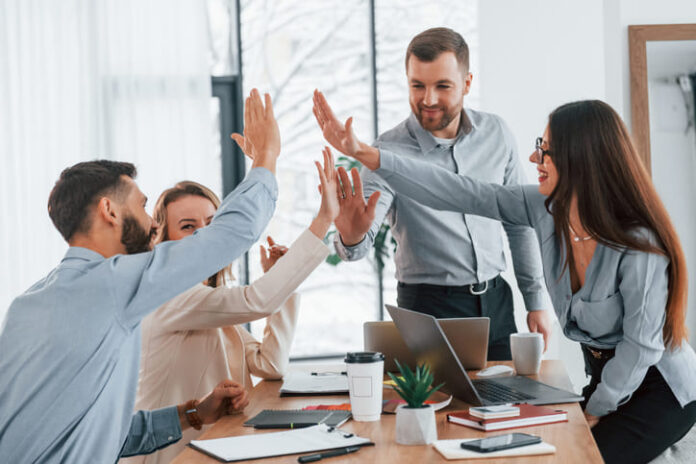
<point x="365" y="371"/>
<point x="527" y="350"/>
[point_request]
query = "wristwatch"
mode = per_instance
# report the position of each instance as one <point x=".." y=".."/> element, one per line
<point x="191" y="412"/>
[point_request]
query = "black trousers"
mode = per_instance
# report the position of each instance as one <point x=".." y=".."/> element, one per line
<point x="641" y="429"/>
<point x="447" y="302"/>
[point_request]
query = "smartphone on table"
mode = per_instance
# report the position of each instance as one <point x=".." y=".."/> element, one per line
<point x="500" y="442"/>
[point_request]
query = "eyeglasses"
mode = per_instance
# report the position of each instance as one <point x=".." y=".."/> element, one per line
<point x="540" y="152"/>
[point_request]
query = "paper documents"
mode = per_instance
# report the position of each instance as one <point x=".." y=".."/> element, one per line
<point x="450" y="449"/>
<point x="298" y="383"/>
<point x="264" y="445"/>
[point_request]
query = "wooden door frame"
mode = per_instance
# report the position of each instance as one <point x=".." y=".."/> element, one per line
<point x="640" y="113"/>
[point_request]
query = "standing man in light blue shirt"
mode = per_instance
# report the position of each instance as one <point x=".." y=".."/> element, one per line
<point x="448" y="264"/>
<point x="70" y="345"/>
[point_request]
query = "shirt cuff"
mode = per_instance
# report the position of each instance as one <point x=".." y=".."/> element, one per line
<point x="166" y="427"/>
<point x="353" y="252"/>
<point x="265" y="177"/>
<point x="537" y="301"/>
<point x="597" y="406"/>
<point x="386" y="164"/>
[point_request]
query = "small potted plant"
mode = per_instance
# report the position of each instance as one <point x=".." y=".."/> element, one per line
<point x="415" y="420"/>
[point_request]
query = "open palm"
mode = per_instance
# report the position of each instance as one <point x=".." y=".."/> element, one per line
<point x="356" y="215"/>
<point x="340" y="136"/>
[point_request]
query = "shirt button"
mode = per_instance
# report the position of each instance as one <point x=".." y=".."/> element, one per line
<point x="170" y="438"/>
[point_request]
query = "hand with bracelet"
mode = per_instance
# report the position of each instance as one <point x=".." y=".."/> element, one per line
<point x="227" y="397"/>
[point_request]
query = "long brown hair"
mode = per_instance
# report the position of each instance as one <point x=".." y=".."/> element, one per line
<point x="182" y="189"/>
<point x="598" y="163"/>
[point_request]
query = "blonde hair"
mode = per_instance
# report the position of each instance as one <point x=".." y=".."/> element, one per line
<point x="180" y="190"/>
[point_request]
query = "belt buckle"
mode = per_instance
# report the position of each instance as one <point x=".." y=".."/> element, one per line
<point x="474" y="292"/>
<point x="595" y="354"/>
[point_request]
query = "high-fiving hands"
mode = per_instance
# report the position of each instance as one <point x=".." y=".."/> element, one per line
<point x="341" y="136"/>
<point x="261" y="139"/>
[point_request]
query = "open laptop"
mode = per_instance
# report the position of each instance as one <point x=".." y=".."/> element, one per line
<point x="468" y="337"/>
<point x="426" y="340"/>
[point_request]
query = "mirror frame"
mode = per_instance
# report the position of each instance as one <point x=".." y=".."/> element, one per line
<point x="640" y="114"/>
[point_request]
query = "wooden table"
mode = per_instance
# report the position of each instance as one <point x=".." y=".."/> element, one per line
<point x="573" y="440"/>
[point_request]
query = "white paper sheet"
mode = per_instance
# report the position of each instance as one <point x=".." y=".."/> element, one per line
<point x="263" y="445"/>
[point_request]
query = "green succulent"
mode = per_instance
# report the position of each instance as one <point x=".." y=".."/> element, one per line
<point x="414" y="387"/>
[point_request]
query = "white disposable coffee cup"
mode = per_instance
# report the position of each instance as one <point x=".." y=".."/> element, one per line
<point x="527" y="350"/>
<point x="365" y="371"/>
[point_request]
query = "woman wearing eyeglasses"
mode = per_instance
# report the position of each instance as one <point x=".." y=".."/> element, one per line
<point x="613" y="266"/>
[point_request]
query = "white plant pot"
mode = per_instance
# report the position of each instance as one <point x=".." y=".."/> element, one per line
<point x="415" y="426"/>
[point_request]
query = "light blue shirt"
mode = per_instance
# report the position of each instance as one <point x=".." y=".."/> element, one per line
<point x="444" y="247"/>
<point x="70" y="345"/>
<point x="621" y="304"/>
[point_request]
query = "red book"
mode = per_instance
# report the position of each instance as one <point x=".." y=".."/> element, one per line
<point x="529" y="415"/>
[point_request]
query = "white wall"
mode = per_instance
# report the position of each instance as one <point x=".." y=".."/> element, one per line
<point x="535" y="56"/>
<point x="538" y="54"/>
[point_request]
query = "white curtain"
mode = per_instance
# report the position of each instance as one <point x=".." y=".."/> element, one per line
<point x="85" y="79"/>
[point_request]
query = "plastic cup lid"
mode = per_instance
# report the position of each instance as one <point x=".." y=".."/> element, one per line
<point x="363" y="357"/>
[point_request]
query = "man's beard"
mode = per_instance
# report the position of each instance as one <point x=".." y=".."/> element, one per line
<point x="445" y="120"/>
<point x="135" y="237"/>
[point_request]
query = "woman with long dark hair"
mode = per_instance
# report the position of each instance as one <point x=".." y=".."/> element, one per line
<point x="613" y="266"/>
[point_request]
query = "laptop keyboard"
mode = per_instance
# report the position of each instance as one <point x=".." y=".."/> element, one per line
<point x="497" y="393"/>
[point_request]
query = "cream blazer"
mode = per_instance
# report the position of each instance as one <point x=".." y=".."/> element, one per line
<point x="192" y="342"/>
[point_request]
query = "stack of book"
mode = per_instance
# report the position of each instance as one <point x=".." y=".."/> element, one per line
<point x="528" y="415"/>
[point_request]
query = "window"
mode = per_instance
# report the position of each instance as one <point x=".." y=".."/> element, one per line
<point x="353" y="52"/>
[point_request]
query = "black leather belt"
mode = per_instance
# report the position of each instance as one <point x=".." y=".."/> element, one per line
<point x="474" y="289"/>
<point x="598" y="353"/>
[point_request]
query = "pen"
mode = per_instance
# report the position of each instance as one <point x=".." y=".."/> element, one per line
<point x="329" y="373"/>
<point x="291" y="425"/>
<point x="328" y="454"/>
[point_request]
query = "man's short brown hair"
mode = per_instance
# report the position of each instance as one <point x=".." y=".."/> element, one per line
<point x="430" y="44"/>
<point x="79" y="186"/>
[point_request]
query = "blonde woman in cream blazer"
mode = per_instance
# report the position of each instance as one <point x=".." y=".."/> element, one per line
<point x="195" y="339"/>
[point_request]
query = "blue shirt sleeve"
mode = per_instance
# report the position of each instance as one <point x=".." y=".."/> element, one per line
<point x="526" y="258"/>
<point x="152" y="430"/>
<point x="441" y="189"/>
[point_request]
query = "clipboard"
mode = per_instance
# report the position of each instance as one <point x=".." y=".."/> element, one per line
<point x="265" y="445"/>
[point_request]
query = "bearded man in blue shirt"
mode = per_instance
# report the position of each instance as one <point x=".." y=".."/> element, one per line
<point x="70" y="345"/>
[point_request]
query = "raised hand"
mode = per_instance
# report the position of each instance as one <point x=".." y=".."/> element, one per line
<point x="227" y="397"/>
<point x="273" y="254"/>
<point x="356" y="215"/>
<point x="341" y="136"/>
<point x="244" y="144"/>
<point x="329" y="189"/>
<point x="261" y="139"/>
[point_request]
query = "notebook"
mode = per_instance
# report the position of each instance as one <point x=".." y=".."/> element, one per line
<point x="300" y="383"/>
<point x="529" y="415"/>
<point x="450" y="449"/>
<point x="296" y="418"/>
<point x="264" y="445"/>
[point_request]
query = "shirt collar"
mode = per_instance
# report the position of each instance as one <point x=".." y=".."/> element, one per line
<point x="425" y="139"/>
<point x="82" y="253"/>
